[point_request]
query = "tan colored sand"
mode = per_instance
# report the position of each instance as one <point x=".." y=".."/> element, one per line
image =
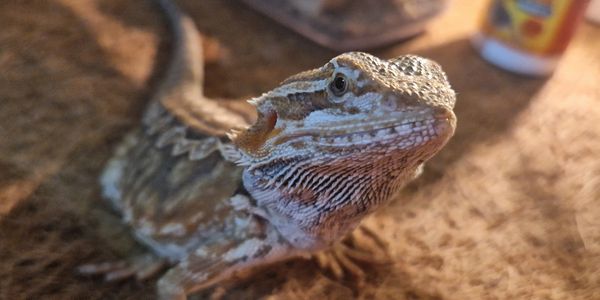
<point x="509" y="210"/>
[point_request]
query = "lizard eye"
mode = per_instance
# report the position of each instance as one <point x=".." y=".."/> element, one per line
<point x="339" y="85"/>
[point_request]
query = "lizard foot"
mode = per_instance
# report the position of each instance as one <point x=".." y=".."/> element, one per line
<point x="141" y="267"/>
<point x="362" y="246"/>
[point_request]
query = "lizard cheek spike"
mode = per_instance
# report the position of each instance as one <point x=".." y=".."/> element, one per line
<point x="296" y="182"/>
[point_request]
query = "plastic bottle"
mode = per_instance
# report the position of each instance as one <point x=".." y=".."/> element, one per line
<point x="528" y="36"/>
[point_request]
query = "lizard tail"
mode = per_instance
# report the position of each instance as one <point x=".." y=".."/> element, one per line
<point x="184" y="75"/>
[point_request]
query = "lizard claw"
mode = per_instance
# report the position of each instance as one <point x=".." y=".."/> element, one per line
<point x="362" y="246"/>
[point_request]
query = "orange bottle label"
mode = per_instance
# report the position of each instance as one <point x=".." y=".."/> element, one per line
<point x="542" y="27"/>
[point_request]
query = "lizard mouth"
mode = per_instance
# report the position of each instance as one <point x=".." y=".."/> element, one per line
<point x="414" y="131"/>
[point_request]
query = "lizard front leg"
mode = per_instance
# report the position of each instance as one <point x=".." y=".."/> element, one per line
<point x="211" y="264"/>
<point x="362" y="245"/>
<point x="141" y="267"/>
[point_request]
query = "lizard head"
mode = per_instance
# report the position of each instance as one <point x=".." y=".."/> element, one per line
<point x="353" y="103"/>
<point x="357" y="116"/>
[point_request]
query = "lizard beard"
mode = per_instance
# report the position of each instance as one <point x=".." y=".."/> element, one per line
<point x="326" y="198"/>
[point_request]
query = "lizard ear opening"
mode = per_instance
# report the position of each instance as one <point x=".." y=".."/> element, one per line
<point x="253" y="139"/>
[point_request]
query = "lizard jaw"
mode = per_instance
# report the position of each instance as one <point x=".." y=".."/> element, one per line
<point x="411" y="131"/>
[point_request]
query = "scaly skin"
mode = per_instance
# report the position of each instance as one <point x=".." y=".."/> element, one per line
<point x="321" y="151"/>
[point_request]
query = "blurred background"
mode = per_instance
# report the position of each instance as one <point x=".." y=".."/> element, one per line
<point x="510" y="209"/>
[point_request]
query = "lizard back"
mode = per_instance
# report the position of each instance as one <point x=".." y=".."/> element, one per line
<point x="167" y="179"/>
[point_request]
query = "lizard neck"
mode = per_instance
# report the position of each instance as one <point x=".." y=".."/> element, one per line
<point x="320" y="199"/>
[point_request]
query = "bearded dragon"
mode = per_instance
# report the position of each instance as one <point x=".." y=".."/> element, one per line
<point x="215" y="187"/>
